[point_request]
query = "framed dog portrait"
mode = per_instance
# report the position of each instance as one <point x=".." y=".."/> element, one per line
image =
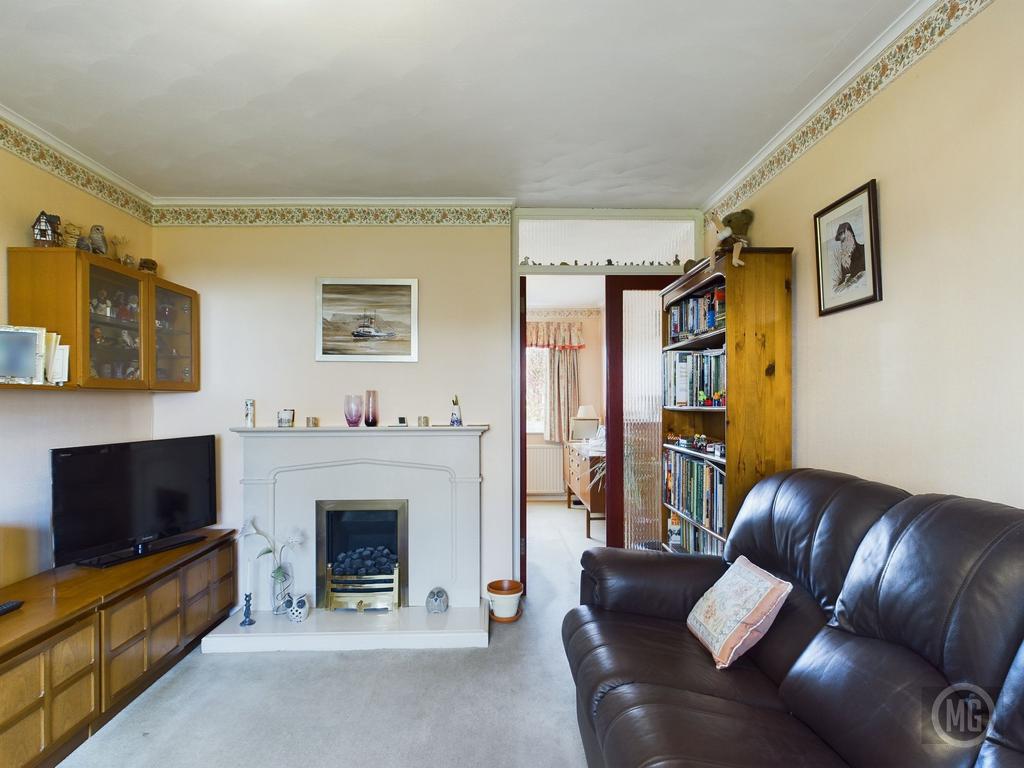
<point x="846" y="243"/>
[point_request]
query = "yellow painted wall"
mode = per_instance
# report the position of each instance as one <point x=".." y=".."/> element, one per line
<point x="31" y="423"/>
<point x="257" y="288"/>
<point x="923" y="389"/>
<point x="592" y="376"/>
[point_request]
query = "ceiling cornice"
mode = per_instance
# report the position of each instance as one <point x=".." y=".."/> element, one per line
<point x="31" y="143"/>
<point x="42" y="149"/>
<point x="921" y="29"/>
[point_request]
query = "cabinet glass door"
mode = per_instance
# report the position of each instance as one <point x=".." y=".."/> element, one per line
<point x="176" y="331"/>
<point x="115" y="342"/>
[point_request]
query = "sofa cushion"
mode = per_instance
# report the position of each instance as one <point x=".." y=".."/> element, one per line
<point x="607" y="649"/>
<point x="655" y="725"/>
<point x="942" y="576"/>
<point x="1005" y="743"/>
<point x="869" y="700"/>
<point x="805" y="525"/>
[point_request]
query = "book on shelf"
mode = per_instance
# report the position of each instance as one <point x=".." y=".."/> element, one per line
<point x="696" y="488"/>
<point x="693" y="379"/>
<point x="697" y="315"/>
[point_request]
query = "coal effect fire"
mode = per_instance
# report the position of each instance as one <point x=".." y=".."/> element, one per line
<point x="365" y="561"/>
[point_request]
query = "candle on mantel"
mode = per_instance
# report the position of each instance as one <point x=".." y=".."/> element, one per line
<point x="248" y="577"/>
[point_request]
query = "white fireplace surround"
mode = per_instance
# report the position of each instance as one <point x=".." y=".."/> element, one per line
<point x="437" y="469"/>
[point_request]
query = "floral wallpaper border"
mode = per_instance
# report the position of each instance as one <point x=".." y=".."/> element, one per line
<point x="297" y="215"/>
<point x="927" y="33"/>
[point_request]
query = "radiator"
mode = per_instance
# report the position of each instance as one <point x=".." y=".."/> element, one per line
<point x="544" y="468"/>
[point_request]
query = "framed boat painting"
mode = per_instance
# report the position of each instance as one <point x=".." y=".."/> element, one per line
<point x="367" y="320"/>
<point x="846" y="242"/>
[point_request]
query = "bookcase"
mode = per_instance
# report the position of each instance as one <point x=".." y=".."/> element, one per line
<point x="727" y="381"/>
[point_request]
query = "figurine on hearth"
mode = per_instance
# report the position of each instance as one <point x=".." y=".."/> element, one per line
<point x="732" y="233"/>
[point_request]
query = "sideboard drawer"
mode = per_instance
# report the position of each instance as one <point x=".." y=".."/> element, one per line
<point x="223" y="563"/>
<point x="124" y="670"/>
<point x="23" y="740"/>
<point x="73" y="707"/>
<point x="197" y="615"/>
<point x="73" y="654"/>
<point x="163" y="599"/>
<point x="124" y="621"/>
<point x="164" y="638"/>
<point x="197" y="577"/>
<point x="21" y="683"/>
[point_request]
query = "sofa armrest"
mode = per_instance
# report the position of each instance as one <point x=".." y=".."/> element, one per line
<point x="657" y="584"/>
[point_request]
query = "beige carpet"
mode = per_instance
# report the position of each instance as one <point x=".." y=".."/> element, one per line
<point x="510" y="704"/>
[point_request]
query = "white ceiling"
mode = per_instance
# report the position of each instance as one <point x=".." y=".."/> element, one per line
<point x="576" y="103"/>
<point x="564" y="291"/>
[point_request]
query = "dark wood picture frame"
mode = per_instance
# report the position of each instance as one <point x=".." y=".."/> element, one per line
<point x="871" y="291"/>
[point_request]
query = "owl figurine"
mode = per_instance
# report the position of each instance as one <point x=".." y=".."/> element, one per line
<point x="98" y="239"/>
<point x="297" y="607"/>
<point x="437" y="600"/>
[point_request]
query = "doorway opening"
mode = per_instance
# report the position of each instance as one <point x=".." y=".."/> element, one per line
<point x="590" y="362"/>
<point x="624" y="259"/>
<point x="564" y="430"/>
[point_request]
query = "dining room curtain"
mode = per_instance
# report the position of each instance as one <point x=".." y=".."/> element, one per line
<point x="563" y="340"/>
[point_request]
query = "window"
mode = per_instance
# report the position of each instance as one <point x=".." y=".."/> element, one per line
<point x="536" y="389"/>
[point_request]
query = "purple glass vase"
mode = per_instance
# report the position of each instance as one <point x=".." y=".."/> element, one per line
<point x="372" y="404"/>
<point x="353" y="410"/>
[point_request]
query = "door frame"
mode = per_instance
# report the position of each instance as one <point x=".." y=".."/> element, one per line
<point x="519" y="525"/>
<point x="614" y="504"/>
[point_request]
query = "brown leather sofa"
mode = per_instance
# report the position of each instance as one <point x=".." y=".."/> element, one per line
<point x="894" y="598"/>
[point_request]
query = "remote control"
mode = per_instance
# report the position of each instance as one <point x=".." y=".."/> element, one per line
<point x="10" y="605"/>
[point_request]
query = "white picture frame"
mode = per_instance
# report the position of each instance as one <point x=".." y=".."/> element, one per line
<point x="367" y="320"/>
<point x="22" y="354"/>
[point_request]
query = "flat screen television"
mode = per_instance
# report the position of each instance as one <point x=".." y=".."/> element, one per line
<point x="123" y="500"/>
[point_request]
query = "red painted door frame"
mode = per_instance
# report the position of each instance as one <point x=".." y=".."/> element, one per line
<point x="614" y="473"/>
<point x="522" y="431"/>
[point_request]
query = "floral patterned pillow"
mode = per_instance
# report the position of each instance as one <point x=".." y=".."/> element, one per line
<point x="736" y="612"/>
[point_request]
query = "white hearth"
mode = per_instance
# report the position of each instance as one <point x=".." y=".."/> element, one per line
<point x="436" y="469"/>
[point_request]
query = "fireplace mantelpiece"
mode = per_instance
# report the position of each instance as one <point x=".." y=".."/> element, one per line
<point x="437" y="469"/>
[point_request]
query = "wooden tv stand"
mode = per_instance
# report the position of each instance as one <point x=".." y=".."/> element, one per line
<point x="87" y="641"/>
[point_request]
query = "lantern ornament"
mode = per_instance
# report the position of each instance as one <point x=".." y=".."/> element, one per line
<point x="46" y="230"/>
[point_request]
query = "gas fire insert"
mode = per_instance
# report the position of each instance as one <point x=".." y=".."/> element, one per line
<point x="362" y="554"/>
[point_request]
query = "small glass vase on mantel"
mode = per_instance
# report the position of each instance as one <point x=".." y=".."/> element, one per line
<point x="372" y="408"/>
<point x="281" y="578"/>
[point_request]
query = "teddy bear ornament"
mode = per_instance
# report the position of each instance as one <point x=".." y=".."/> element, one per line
<point x="732" y="234"/>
